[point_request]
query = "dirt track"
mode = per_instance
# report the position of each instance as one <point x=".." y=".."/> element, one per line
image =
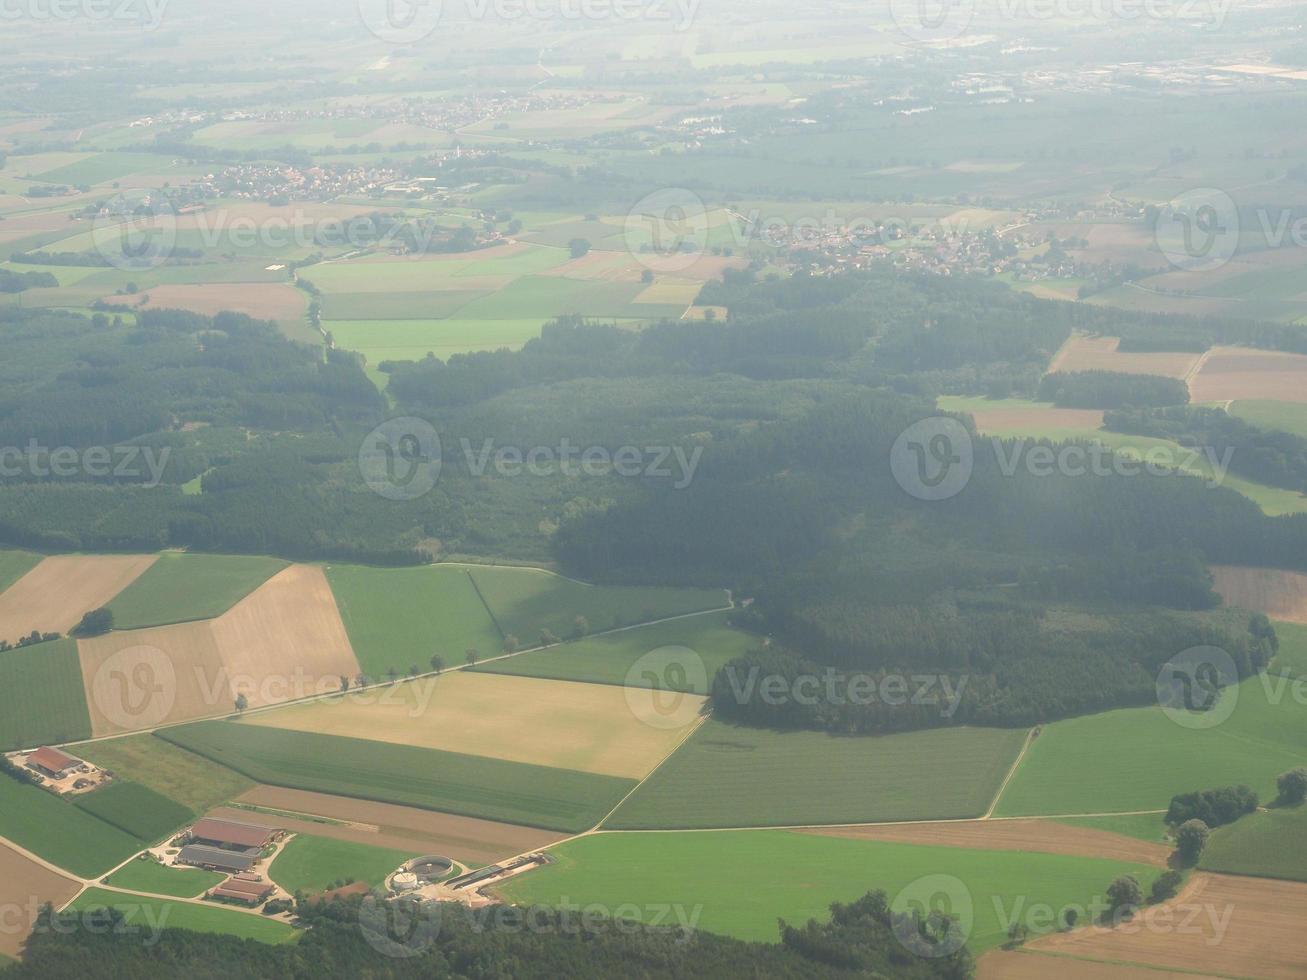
<point x="1263" y="937"/>
<point x="390" y="825"/>
<point x="1041" y="836"/>
<point x="54" y="595"/>
<point x="24" y="886"/>
<point x="1279" y="594"/>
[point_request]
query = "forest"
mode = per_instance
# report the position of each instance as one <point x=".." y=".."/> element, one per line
<point x="349" y="938"/>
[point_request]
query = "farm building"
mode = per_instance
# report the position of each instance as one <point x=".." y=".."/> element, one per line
<point x="218" y="858"/>
<point x="245" y="888"/>
<point x="53" y="763"/>
<point x="233" y="834"/>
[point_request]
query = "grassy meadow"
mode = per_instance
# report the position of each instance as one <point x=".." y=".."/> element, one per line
<point x="187" y="779"/>
<point x="728" y="776"/>
<point x="1138" y="758"/>
<point x="61" y="833"/>
<point x="1267" y="844"/>
<point x="740" y="882"/>
<point x="147" y="875"/>
<point x="42" y="697"/>
<point x="181" y="587"/>
<point x="609" y="659"/>
<point x="150" y="913"/>
<point x="472" y="786"/>
<point x="314" y="864"/>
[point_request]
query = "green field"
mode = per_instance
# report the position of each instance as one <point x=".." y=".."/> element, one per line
<point x="1138" y="758"/>
<point x="474" y="786"/>
<point x="14" y="565"/>
<point x="412" y="340"/>
<point x="1268" y="844"/>
<point x="1292" y="655"/>
<point x="38" y="821"/>
<point x="97" y="168"/>
<point x="741" y="882"/>
<point x="152" y="913"/>
<point x="140" y="811"/>
<point x="314" y="864"/>
<point x="180" y="587"/>
<point x="526" y="600"/>
<point x="1142" y="826"/>
<point x="397" y="617"/>
<point x="727" y="776"/>
<point x="191" y="780"/>
<point x="1282" y="416"/>
<point x="42" y="697"/>
<point x="1274" y="501"/>
<point x="148" y="875"/>
<point x="609" y="658"/>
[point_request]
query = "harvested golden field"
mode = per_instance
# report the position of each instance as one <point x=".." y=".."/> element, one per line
<point x="24" y="887"/>
<point x="1037" y="420"/>
<point x="1085" y="353"/>
<point x="261" y="300"/>
<point x="1029" y="965"/>
<point x="54" y="595"/>
<point x="283" y="641"/>
<point x="1279" y="594"/>
<point x="1039" y="836"/>
<point x="562" y="724"/>
<point x="1219" y="924"/>
<point x="1233" y="373"/>
<point x="287" y="627"/>
<point x="388" y="825"/>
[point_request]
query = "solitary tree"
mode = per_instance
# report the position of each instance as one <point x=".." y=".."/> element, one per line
<point x="1069" y="919"/>
<point x="344" y="683"/>
<point x="1125" y="895"/>
<point x="1190" y="840"/>
<point x="471" y="656"/>
<point x="242" y="702"/>
<point x="511" y="643"/>
<point x="1293" y="786"/>
<point x="437" y="663"/>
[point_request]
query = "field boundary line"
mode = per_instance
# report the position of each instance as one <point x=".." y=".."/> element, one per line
<point x="1025" y="747"/>
<point x="661" y="762"/>
<point x="484" y="604"/>
<point x="327" y="695"/>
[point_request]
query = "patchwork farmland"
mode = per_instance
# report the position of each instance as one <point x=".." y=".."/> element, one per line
<point x="740" y="882"/>
<point x="58" y="591"/>
<point x="472" y="786"/>
<point x="586" y="727"/>
<point x="728" y="776"/>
